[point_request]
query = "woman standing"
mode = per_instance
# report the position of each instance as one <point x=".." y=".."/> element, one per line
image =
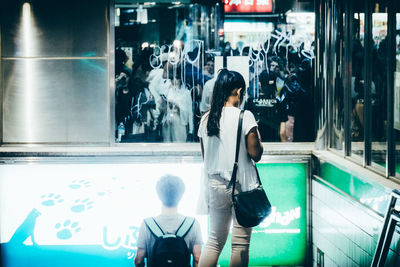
<point x="217" y="132"/>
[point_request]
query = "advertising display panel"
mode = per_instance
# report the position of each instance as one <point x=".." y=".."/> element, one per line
<point x="89" y="214"/>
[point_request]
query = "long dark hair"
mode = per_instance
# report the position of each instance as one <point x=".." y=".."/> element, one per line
<point x="226" y="82"/>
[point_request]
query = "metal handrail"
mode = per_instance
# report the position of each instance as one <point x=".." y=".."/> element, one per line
<point x="392" y="217"/>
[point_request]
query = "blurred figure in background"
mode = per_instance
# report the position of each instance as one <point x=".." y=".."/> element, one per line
<point x="177" y="123"/>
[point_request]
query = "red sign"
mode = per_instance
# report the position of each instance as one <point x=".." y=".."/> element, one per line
<point x="248" y="6"/>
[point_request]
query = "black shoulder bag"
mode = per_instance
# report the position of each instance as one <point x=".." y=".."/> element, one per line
<point x="251" y="207"/>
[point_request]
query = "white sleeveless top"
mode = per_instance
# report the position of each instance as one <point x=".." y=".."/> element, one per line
<point x="219" y="152"/>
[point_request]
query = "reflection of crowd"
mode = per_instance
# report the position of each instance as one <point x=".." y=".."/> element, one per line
<point x="282" y="103"/>
<point x="134" y="101"/>
<point x="165" y="92"/>
<point x="159" y="99"/>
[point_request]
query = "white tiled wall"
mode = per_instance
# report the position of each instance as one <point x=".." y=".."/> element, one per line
<point x="345" y="232"/>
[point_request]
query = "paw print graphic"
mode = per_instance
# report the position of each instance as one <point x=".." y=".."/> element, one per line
<point x="115" y="179"/>
<point x="76" y="184"/>
<point x="104" y="193"/>
<point x="51" y="199"/>
<point x="82" y="205"/>
<point x="66" y="230"/>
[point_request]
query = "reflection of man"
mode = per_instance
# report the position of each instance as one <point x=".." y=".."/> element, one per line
<point x="276" y="70"/>
<point x="266" y="107"/>
<point x="291" y="92"/>
<point x="123" y="101"/>
<point x="170" y="190"/>
<point x="209" y="69"/>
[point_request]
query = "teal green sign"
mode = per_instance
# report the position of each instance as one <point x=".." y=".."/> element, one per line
<point x="282" y="238"/>
<point x="366" y="191"/>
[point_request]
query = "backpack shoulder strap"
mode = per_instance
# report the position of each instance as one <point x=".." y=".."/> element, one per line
<point x="184" y="228"/>
<point x="154" y="227"/>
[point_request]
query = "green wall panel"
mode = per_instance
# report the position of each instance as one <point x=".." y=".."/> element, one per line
<point x="364" y="190"/>
<point x="282" y="238"/>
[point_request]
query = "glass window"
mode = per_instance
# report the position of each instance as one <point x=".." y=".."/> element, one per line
<point x="357" y="81"/>
<point x="379" y="84"/>
<point x="163" y="60"/>
<point x="337" y="136"/>
<point x="168" y="55"/>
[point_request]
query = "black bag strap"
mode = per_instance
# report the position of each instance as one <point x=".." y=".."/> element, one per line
<point x="185" y="226"/>
<point x="182" y="230"/>
<point x="154" y="227"/>
<point x="236" y="164"/>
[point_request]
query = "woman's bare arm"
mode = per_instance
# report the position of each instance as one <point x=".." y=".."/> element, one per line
<point x="254" y="145"/>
